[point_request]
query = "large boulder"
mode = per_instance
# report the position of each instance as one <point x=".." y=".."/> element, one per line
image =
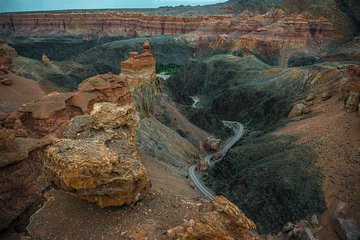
<point x="96" y="173"/>
<point x="212" y="144"/>
<point x="219" y="220"/>
<point x="100" y="162"/>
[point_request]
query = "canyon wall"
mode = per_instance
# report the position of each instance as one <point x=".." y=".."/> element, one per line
<point x="101" y="23"/>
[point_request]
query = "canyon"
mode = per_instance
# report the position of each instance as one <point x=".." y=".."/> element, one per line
<point x="95" y="144"/>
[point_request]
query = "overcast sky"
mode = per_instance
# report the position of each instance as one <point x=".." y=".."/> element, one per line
<point x="35" y="5"/>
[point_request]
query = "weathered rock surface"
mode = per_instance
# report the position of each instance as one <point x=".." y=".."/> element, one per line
<point x="110" y="116"/>
<point x="51" y="113"/>
<point x="6" y="53"/>
<point x="219" y="220"/>
<point x="349" y="90"/>
<point x="45" y="60"/>
<point x="47" y="105"/>
<point x="7" y="137"/>
<point x="297" y="110"/>
<point x="21" y="178"/>
<point x="278" y="41"/>
<point x="212" y="144"/>
<point x="139" y="69"/>
<point x="352" y="102"/>
<point x="346" y="229"/>
<point x="102" y="166"/>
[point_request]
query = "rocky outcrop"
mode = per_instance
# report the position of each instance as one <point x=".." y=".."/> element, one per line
<point x="45" y="60"/>
<point x="346" y="229"/>
<point x="279" y="41"/>
<point x="140" y="74"/>
<point x="6" y="54"/>
<point x="126" y="24"/>
<point x="349" y="90"/>
<point x="106" y="23"/>
<point x="212" y="144"/>
<point x="103" y="166"/>
<point x="139" y="69"/>
<point x="51" y="113"/>
<point x="297" y="110"/>
<point x="219" y="220"/>
<point x="22" y="181"/>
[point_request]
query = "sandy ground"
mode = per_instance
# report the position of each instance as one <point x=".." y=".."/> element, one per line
<point x="338" y="152"/>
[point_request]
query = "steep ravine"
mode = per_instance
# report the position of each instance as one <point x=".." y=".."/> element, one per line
<point x="274" y="178"/>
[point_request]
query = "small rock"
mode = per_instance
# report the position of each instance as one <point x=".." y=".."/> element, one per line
<point x="308" y="235"/>
<point x="310" y="97"/>
<point x="325" y="96"/>
<point x="288" y="227"/>
<point x="7" y="137"/>
<point x="7" y="82"/>
<point x="296" y="232"/>
<point x="339" y="210"/>
<point x="352" y="102"/>
<point x="309" y="104"/>
<point x="314" y="220"/>
<point x="45" y="60"/>
<point x="306" y="111"/>
<point x="297" y="110"/>
<point x="346" y="229"/>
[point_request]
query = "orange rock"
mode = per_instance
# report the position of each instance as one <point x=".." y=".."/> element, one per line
<point x="139" y="69"/>
<point x="91" y="170"/>
<point x="219" y="220"/>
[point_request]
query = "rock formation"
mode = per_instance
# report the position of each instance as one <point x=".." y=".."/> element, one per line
<point x="109" y="23"/>
<point x="103" y="167"/>
<point x="292" y="34"/>
<point x="140" y="74"/>
<point x="6" y="52"/>
<point x="212" y="144"/>
<point x="121" y="179"/>
<point x="219" y="220"/>
<point x="45" y="60"/>
<point x="52" y="112"/>
<point x="349" y="90"/>
<point x="21" y="178"/>
<point x="297" y="110"/>
<point x="139" y="69"/>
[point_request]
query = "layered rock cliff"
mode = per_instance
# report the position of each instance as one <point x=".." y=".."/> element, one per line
<point x="101" y="23"/>
<point x="277" y="42"/>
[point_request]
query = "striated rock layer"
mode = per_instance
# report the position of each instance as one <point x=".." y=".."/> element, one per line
<point x="104" y="23"/>
<point x="21" y="178"/>
<point x="51" y="113"/>
<point x="292" y="34"/>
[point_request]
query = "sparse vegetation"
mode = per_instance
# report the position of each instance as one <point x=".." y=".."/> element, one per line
<point x="168" y="69"/>
<point x="272" y="179"/>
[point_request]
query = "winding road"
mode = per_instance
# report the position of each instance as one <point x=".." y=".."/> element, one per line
<point x="195" y="176"/>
